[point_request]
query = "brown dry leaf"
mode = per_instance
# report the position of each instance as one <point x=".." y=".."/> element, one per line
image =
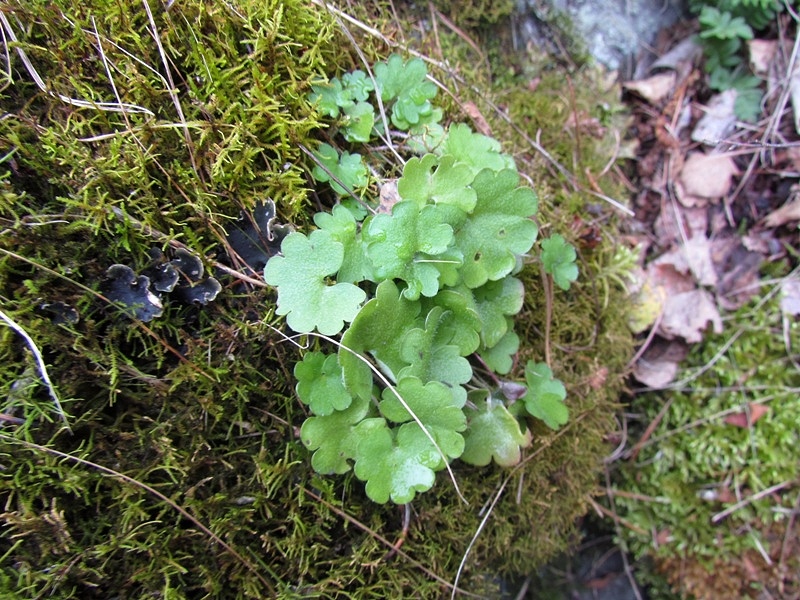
<point x="687" y="316"/>
<point x="762" y="55"/>
<point x="790" y="211"/>
<point x="692" y="257"/>
<point x="388" y="197"/>
<point x="738" y="270"/>
<point x="719" y="120"/>
<point x="480" y="122"/>
<point x="668" y="278"/>
<point x="707" y="175"/>
<point x="658" y="367"/>
<point x="746" y="418"/>
<point x="653" y="89"/>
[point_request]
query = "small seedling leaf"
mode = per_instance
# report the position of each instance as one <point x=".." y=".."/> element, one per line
<point x="545" y="397"/>
<point x="404" y="244"/>
<point x="395" y="464"/>
<point x="492" y="434"/>
<point x="320" y="383"/>
<point x="558" y="258"/>
<point x="433" y="405"/>
<point x="429" y="179"/>
<point x="331" y="437"/>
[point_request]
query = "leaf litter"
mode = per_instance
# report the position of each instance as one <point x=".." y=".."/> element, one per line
<point x="715" y="200"/>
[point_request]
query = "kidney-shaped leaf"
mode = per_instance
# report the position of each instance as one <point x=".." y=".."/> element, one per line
<point x="395" y="466"/>
<point x="320" y="384"/>
<point x="493" y="434"/>
<point x="303" y="293"/>
<point x="545" y="397"/>
<point x="332" y="439"/>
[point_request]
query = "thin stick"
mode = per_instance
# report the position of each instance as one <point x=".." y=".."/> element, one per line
<point x="742" y="503"/>
<point x="474" y="539"/>
<point x="40" y="363"/>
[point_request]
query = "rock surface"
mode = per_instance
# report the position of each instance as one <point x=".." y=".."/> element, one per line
<point x="614" y="31"/>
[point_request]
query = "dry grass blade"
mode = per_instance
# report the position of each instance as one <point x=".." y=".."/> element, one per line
<point x="106" y="106"/>
<point x="40" y="363"/>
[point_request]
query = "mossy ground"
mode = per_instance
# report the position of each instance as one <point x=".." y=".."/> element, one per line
<point x="694" y="496"/>
<point x="182" y="475"/>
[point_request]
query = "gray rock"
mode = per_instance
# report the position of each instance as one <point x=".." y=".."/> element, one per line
<point x="614" y="32"/>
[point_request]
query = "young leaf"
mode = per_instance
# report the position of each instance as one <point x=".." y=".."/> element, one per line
<point x="545" y="397"/>
<point x="499" y="229"/>
<point x="331" y="437"/>
<point x="406" y="83"/>
<point x="303" y="294"/>
<point x="403" y="244"/>
<point x="494" y="301"/>
<point x="358" y="85"/>
<point x="429" y="179"/>
<point x="395" y="465"/>
<point x="431" y="360"/>
<point x="500" y="357"/>
<point x="558" y="258"/>
<point x="330" y="97"/>
<point x="359" y="121"/>
<point x="474" y="150"/>
<point x="492" y="433"/>
<point x="348" y="168"/>
<point x="341" y="224"/>
<point x="433" y="405"/>
<point x="461" y="319"/>
<point x="320" y="384"/>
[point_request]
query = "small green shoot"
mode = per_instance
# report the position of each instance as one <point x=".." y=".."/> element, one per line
<point x="558" y="259"/>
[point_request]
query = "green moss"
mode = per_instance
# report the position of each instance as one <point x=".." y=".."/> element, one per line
<point x="195" y="411"/>
<point x="696" y="465"/>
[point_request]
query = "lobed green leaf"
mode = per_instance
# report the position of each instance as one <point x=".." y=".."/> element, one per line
<point x="545" y="397"/>
<point x="304" y="295"/>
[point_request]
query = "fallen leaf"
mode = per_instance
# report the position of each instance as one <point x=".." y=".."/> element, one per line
<point x="739" y="271"/>
<point x="762" y="55"/>
<point x="687" y="316"/>
<point x="388" y="197"/>
<point x="790" y="298"/>
<point x="719" y="120"/>
<point x="707" y="175"/>
<point x="679" y="56"/>
<point x="658" y="366"/>
<point x="654" y="89"/>
<point x="693" y="257"/>
<point x="790" y="211"/>
<point x="645" y="307"/>
<point x="745" y="419"/>
<point x="480" y="122"/>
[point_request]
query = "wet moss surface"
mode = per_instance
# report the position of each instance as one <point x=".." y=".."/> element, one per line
<point x="176" y="470"/>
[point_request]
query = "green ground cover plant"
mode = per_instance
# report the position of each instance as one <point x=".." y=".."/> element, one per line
<point x="725" y="27"/>
<point x="438" y="267"/>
